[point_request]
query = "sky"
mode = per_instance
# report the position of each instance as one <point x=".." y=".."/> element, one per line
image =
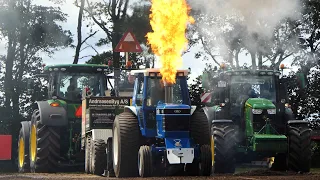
<point x="66" y="55"/>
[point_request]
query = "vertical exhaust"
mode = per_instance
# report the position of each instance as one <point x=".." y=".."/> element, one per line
<point x="168" y="91"/>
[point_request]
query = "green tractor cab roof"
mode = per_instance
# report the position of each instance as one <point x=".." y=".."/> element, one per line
<point x="77" y="68"/>
<point x="261" y="72"/>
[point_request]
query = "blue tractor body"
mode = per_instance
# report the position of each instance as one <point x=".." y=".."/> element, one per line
<point x="167" y="129"/>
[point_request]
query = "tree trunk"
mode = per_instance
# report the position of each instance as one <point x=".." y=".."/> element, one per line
<point x="76" y="57"/>
<point x="253" y="59"/>
<point x="260" y="60"/>
<point x="237" y="58"/>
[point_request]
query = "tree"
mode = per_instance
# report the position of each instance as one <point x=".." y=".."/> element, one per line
<point x="79" y="31"/>
<point x="29" y="30"/>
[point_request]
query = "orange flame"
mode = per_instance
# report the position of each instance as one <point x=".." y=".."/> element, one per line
<point x="169" y="19"/>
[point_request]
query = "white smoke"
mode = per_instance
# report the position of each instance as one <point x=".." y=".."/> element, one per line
<point x="258" y="17"/>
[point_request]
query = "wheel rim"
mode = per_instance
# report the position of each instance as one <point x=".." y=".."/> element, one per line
<point x="33" y="143"/>
<point x="115" y="146"/>
<point x="139" y="163"/>
<point x="21" y="152"/>
<point x="212" y="150"/>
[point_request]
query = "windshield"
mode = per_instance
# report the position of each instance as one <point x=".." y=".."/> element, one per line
<point x="243" y="87"/>
<point x="70" y="85"/>
<point x="155" y="91"/>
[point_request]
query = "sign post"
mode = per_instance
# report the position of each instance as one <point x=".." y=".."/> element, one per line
<point x="128" y="43"/>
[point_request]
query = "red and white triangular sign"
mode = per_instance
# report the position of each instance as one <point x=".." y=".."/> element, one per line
<point x="128" y="43"/>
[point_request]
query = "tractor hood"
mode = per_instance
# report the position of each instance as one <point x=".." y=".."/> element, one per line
<point x="260" y="103"/>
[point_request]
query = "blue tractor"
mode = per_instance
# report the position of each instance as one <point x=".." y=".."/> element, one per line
<point x="161" y="133"/>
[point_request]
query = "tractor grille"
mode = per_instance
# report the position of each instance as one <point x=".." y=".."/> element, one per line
<point x="259" y="120"/>
<point x="177" y="123"/>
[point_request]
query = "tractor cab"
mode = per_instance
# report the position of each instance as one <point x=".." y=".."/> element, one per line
<point x="156" y="101"/>
<point x="237" y="91"/>
<point x="67" y="82"/>
<point x="125" y="85"/>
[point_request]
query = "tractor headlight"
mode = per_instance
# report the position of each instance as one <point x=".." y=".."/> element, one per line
<point x="271" y="111"/>
<point x="257" y="111"/>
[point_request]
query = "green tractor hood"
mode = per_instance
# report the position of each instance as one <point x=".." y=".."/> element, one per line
<point x="266" y="139"/>
<point x="260" y="103"/>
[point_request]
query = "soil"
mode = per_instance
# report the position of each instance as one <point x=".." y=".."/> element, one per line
<point x="248" y="175"/>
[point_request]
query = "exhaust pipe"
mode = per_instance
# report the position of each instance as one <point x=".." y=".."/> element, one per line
<point x="168" y="91"/>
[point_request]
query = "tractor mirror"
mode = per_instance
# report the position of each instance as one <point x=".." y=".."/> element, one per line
<point x="30" y="86"/>
<point x="301" y="78"/>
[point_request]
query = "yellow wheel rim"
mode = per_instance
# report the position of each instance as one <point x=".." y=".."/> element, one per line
<point x="212" y="150"/>
<point x="33" y="144"/>
<point x="21" y="152"/>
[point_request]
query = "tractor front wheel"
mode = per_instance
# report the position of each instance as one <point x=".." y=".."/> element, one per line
<point x="98" y="156"/>
<point x="299" y="148"/>
<point x="145" y="161"/>
<point x="23" y="148"/>
<point x="44" y="146"/>
<point x="224" y="148"/>
<point x="126" y="144"/>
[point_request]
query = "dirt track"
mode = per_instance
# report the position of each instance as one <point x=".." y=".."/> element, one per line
<point x="248" y="175"/>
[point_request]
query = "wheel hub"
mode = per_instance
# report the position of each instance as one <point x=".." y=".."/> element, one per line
<point x="33" y="142"/>
<point x="21" y="152"/>
<point x="115" y="146"/>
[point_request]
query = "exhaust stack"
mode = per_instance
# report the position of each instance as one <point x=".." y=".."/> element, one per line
<point x="168" y="91"/>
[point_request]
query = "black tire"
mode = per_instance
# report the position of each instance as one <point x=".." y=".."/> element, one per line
<point x="109" y="159"/>
<point x="87" y="164"/>
<point x="145" y="161"/>
<point x="126" y="143"/>
<point x="224" y="148"/>
<point x="200" y="133"/>
<point x="23" y="148"/>
<point x="99" y="157"/>
<point x="201" y="166"/>
<point x="46" y="152"/>
<point x="205" y="160"/>
<point x="299" y="148"/>
<point x="199" y="128"/>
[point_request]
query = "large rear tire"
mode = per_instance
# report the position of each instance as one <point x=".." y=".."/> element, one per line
<point x="299" y="148"/>
<point x="224" y="148"/>
<point x="199" y="128"/>
<point x="44" y="146"/>
<point x="98" y="158"/>
<point x="200" y="133"/>
<point x="23" y="148"/>
<point x="126" y="144"/>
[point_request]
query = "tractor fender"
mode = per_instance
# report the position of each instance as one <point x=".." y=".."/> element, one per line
<point x="297" y="122"/>
<point x="132" y="109"/>
<point x="193" y="109"/>
<point x="52" y="116"/>
<point x="209" y="113"/>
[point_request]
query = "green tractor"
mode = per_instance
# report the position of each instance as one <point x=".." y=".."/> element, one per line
<point x="252" y="122"/>
<point x="55" y="137"/>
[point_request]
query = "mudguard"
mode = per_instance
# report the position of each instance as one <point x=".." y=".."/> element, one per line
<point x="297" y="122"/>
<point x="221" y="121"/>
<point x="52" y="116"/>
<point x="209" y="113"/>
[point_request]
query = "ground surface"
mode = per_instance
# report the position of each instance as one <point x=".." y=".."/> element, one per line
<point x="242" y="174"/>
